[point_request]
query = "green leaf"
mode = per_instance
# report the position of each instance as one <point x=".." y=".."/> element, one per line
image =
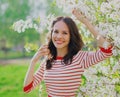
<point x="117" y="88"/>
<point x="83" y="80"/>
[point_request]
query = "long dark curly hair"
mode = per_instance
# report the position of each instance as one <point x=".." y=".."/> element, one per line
<point x="75" y="44"/>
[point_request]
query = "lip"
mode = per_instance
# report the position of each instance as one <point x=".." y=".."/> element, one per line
<point x="58" y="42"/>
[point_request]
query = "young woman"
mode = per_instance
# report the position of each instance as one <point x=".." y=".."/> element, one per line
<point x="66" y="61"/>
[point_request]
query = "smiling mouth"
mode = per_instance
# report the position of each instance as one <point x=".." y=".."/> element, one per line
<point x="59" y="42"/>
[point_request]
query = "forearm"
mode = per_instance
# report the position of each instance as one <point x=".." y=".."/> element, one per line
<point x="43" y="51"/>
<point x="29" y="74"/>
<point x="96" y="34"/>
<point x="82" y="18"/>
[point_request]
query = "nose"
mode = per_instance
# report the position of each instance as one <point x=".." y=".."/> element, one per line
<point x="59" y="35"/>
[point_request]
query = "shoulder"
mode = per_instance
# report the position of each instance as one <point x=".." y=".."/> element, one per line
<point x="80" y="54"/>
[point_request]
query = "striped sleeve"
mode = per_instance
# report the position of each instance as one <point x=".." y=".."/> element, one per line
<point x="91" y="58"/>
<point x="37" y="78"/>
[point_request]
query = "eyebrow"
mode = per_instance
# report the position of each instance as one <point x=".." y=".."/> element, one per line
<point x="62" y="30"/>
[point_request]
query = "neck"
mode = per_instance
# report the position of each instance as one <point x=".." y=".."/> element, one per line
<point x="61" y="52"/>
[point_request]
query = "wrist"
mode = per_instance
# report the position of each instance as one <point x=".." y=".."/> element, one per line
<point x="83" y="20"/>
<point x="32" y="62"/>
<point x="87" y="23"/>
<point x="98" y="37"/>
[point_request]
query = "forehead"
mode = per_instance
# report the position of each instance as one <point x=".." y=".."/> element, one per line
<point x="61" y="25"/>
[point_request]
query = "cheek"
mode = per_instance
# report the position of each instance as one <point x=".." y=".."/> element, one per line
<point x="53" y="36"/>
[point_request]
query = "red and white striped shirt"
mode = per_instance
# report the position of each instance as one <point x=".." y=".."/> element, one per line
<point x="64" y="80"/>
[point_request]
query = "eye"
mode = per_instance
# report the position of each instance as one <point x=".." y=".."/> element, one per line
<point x="55" y="31"/>
<point x="64" y="32"/>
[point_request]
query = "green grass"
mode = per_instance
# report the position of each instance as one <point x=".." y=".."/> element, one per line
<point x="11" y="82"/>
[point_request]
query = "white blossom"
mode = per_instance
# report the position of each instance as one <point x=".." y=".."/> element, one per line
<point x="45" y="22"/>
<point x="21" y="25"/>
<point x="115" y="52"/>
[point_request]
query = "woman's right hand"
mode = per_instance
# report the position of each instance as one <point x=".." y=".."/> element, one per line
<point x="42" y="51"/>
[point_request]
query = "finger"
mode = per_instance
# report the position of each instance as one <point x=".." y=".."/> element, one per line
<point x="45" y="50"/>
<point x="74" y="10"/>
<point x="43" y="47"/>
<point x="49" y="56"/>
<point x="44" y="53"/>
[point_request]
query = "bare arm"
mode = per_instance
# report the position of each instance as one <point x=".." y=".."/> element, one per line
<point x="86" y="22"/>
<point x="43" y="51"/>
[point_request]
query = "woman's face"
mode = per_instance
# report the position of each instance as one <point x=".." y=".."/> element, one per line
<point x="60" y="35"/>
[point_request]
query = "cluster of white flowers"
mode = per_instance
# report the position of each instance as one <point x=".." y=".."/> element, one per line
<point x="101" y="80"/>
<point x="31" y="47"/>
<point x="39" y="24"/>
<point x="21" y="25"/>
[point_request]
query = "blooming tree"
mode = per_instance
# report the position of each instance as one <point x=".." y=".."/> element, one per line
<point x="103" y="79"/>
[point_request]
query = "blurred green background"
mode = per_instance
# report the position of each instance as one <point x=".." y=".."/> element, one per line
<point x="14" y="60"/>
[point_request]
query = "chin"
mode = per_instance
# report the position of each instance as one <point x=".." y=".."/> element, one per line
<point x="59" y="47"/>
